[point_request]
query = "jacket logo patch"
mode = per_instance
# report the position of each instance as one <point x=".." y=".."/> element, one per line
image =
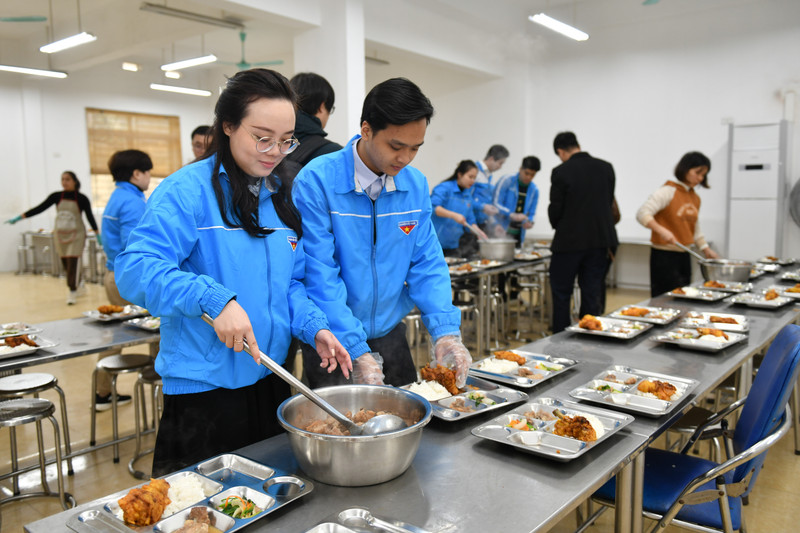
<point x="292" y="241"/>
<point x="407" y="227"/>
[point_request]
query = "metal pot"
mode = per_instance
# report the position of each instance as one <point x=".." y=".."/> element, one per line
<point x="726" y="270"/>
<point x="497" y="249"/>
<point x="355" y="461"/>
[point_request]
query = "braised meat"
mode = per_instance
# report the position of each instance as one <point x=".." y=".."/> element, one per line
<point x="442" y="375"/>
<point x="661" y="389"/>
<point x="19" y="340"/>
<point x="576" y="427"/>
<point x="714" y="284"/>
<point x="143" y="506"/>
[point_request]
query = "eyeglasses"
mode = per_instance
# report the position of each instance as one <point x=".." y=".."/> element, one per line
<point x="265" y="144"/>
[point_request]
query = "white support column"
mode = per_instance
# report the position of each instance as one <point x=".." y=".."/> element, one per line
<point x="335" y="50"/>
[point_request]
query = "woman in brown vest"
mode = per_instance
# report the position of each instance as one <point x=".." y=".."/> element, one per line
<point x="671" y="213"/>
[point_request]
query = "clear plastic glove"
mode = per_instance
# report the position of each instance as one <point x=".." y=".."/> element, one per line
<point x="14" y="220"/>
<point x="368" y="369"/>
<point x="449" y="351"/>
<point x="490" y="209"/>
<point x="99" y="239"/>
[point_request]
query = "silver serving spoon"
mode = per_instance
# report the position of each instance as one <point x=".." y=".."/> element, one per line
<point x="358" y="517"/>
<point x="695" y="254"/>
<point x="374" y="426"/>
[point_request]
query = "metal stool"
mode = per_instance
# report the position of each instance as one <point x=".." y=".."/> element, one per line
<point x="24" y="411"/>
<point x="115" y="365"/>
<point x="526" y="286"/>
<point x="466" y="302"/>
<point x="148" y="376"/>
<point x="19" y="385"/>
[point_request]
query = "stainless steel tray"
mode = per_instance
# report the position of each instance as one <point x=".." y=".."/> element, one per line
<point x="269" y="487"/>
<point x="487" y="263"/>
<point x="356" y="520"/>
<point x="688" y="338"/>
<point x="456" y="270"/>
<point x="756" y="273"/>
<point x="696" y="319"/>
<point x="617" y="387"/>
<point x="12" y="329"/>
<point x="777" y="261"/>
<point x="614" y="328"/>
<point x="725" y="286"/>
<point x="793" y="276"/>
<point x="147" y="323"/>
<point x="656" y="315"/>
<point x="757" y="300"/>
<point x="495" y="397"/>
<point x="783" y="291"/>
<point x="541" y="440"/>
<point x="7" y="353"/>
<point x="130" y="311"/>
<point x="543" y="367"/>
<point x="541" y="253"/>
<point x="767" y="267"/>
<point x="703" y="295"/>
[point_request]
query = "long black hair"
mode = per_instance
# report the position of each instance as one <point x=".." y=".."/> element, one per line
<point x="241" y="209"/>
<point x="463" y="167"/>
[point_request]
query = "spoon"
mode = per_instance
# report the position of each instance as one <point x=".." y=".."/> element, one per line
<point x="695" y="254"/>
<point x="473" y="230"/>
<point x="374" y="426"/>
<point x="358" y="517"/>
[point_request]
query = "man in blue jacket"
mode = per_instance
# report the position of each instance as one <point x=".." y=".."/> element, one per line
<point x="484" y="184"/>
<point x="516" y="197"/>
<point x="371" y="251"/>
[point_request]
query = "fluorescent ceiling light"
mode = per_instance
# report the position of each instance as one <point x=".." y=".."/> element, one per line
<point x="69" y="42"/>
<point x="130" y="67"/>
<point x="34" y="71"/>
<point x="558" y="26"/>
<point x="188" y="15"/>
<point x="171" y="74"/>
<point x="186" y="63"/>
<point x="182" y="90"/>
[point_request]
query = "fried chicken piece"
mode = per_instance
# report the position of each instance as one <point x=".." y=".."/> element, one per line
<point x="662" y="389"/>
<point x="714" y="284"/>
<point x="19" y="340"/>
<point x="510" y="356"/>
<point x="143" y="506"/>
<point x="486" y="261"/>
<point x="771" y="294"/>
<point x="722" y="319"/>
<point x="466" y="267"/>
<point x="576" y="427"/>
<point x="110" y="309"/>
<point x="796" y="288"/>
<point x="635" y="311"/>
<point x="442" y="375"/>
<point x="712" y="331"/>
<point x="679" y="290"/>
<point x="590" y="322"/>
<point x="771" y="258"/>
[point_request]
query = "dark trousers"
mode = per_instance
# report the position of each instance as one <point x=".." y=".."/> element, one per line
<point x="201" y="425"/>
<point x="590" y="266"/>
<point x="70" y="265"/>
<point x="398" y="365"/>
<point x="669" y="270"/>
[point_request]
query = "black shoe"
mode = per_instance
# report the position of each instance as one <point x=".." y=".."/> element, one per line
<point x="103" y="403"/>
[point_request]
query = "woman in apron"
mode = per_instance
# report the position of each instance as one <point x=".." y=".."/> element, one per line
<point x="69" y="234"/>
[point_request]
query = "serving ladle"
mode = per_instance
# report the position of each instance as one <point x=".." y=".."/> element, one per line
<point x="358" y="517"/>
<point x="374" y="426"/>
<point x="695" y="254"/>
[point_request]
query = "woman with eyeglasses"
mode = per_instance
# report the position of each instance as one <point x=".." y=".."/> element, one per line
<point x="69" y="233"/>
<point x="221" y="236"/>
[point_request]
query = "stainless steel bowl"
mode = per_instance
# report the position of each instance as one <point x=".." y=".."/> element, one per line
<point x="355" y="461"/>
<point x="497" y="249"/>
<point x="726" y="270"/>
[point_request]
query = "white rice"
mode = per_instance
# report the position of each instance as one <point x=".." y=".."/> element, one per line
<point x="712" y="338"/>
<point x="430" y="390"/>
<point x="183" y="492"/>
<point x="498" y="366"/>
<point x="596" y="424"/>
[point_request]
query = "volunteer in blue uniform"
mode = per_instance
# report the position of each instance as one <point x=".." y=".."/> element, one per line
<point x="452" y="207"/>
<point x="221" y="236"/>
<point x="371" y="250"/>
<point x="516" y="198"/>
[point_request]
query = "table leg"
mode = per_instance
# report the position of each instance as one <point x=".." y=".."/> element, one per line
<point x="624" y="500"/>
<point x="638" y="493"/>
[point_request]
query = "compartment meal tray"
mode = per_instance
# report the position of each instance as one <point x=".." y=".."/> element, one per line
<point x="783" y="291"/>
<point x="12" y="329"/>
<point x="625" y="397"/>
<point x="354" y="520"/>
<point x="758" y="301"/>
<point x="701" y="295"/>
<point x="614" y="328"/>
<point x="541" y="441"/>
<point x="501" y="396"/>
<point x="144" y="322"/>
<point x="536" y="362"/>
<point x="695" y="319"/>
<point x="268" y="487"/>
<point x="130" y="311"/>
<point x="6" y="353"/>
<point x="727" y="286"/>
<point x="671" y="337"/>
<point x="656" y="315"/>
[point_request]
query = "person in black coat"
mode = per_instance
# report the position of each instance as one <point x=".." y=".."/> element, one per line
<point x="315" y="99"/>
<point x="580" y="211"/>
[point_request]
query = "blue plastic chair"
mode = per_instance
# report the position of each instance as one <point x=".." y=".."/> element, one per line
<point x="703" y="495"/>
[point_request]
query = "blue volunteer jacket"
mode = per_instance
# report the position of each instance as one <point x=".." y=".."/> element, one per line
<point x="123" y="211"/>
<point x="182" y="260"/>
<point x="450" y="196"/>
<point x="367" y="264"/>
<point x="505" y="199"/>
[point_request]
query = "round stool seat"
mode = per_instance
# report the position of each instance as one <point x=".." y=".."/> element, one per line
<point x="24" y="411"/>
<point x="527" y="271"/>
<point x="26" y="383"/>
<point x="149" y="375"/>
<point x="124" y="362"/>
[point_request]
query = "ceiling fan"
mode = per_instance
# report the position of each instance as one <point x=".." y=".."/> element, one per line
<point x="243" y="64"/>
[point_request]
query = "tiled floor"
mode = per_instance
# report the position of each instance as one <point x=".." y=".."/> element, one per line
<point x="38" y="299"/>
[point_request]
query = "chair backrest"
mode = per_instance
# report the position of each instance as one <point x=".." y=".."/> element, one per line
<point x="764" y="408"/>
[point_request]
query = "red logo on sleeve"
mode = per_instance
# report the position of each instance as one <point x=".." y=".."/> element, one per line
<point x="407" y="227"/>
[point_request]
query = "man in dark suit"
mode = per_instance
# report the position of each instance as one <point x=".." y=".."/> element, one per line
<point x="581" y="199"/>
